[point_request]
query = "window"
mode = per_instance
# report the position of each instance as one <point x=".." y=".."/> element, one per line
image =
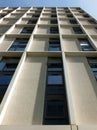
<point x="53" y="11"/>
<point x="53" y="15"/>
<point x="67" y="11"/>
<point x="55" y="90"/>
<point x="32" y="21"/>
<point x="19" y="44"/>
<point x="27" y="30"/>
<point x="86" y="16"/>
<point x="53" y="21"/>
<point x="54" y="45"/>
<point x="92" y="21"/>
<point x="85" y="45"/>
<point x="77" y="30"/>
<point x="54" y="78"/>
<point x="54" y="30"/>
<point x="69" y="15"/>
<point x="80" y="11"/>
<point x="7" y="69"/>
<point x="35" y="15"/>
<point x="55" y="106"/>
<point x="73" y="21"/>
<point x="93" y="64"/>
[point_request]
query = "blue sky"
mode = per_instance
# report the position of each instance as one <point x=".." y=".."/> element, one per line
<point x="88" y="5"/>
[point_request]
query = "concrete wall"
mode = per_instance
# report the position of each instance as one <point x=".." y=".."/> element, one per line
<point x="84" y="22"/>
<point x="27" y="101"/>
<point x="70" y="44"/>
<point x="66" y="30"/>
<point x="4" y="29"/>
<point x="5" y="44"/>
<point x="64" y="21"/>
<point x="42" y="30"/>
<point x="39" y="44"/>
<point x="91" y="30"/>
<point x="83" y="90"/>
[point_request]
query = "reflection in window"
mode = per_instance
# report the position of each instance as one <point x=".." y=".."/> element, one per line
<point x="7" y="69"/>
<point x="55" y="108"/>
<point x="54" y="78"/>
<point x="93" y="64"/>
<point x="27" y="30"/>
<point x="78" y="30"/>
<point x="85" y="44"/>
<point x="54" y="44"/>
<point x="19" y="44"/>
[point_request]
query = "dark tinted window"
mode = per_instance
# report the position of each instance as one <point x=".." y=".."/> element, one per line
<point x="7" y="68"/>
<point x="55" y="108"/>
<point x="53" y="21"/>
<point x="19" y="44"/>
<point x="73" y="21"/>
<point x="93" y="64"/>
<point x="27" y="30"/>
<point x="54" y="30"/>
<point x="32" y="21"/>
<point x="77" y="30"/>
<point x="92" y="21"/>
<point x="55" y="78"/>
<point x="85" y="44"/>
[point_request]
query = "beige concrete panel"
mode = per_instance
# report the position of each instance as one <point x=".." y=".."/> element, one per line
<point x="23" y="21"/>
<point x="74" y="127"/>
<point x="91" y="30"/>
<point x="84" y="21"/>
<point x="4" y="29"/>
<point x="46" y="16"/>
<point x="66" y="30"/>
<point x="70" y="44"/>
<point x="83" y="89"/>
<point x="44" y="22"/>
<point x="27" y="102"/>
<point x="95" y="41"/>
<point x="6" y="43"/>
<point x="79" y="16"/>
<point x="28" y="16"/>
<point x="42" y="30"/>
<point x="16" y="30"/>
<point x="87" y="127"/>
<point x="36" y="127"/>
<point x="16" y="16"/>
<point x="39" y="45"/>
<point x="8" y="21"/>
<point x="64" y="22"/>
<point x="62" y="16"/>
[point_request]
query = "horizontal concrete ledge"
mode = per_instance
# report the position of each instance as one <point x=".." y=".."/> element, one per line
<point x="69" y="25"/>
<point x="5" y="25"/>
<point x="81" y="53"/>
<point x="12" y="54"/>
<point x="41" y="18"/>
<point x="38" y="127"/>
<point x="46" y="35"/>
<point x="25" y="25"/>
<point x="87" y="127"/>
<point x="90" y="25"/>
<point x="27" y="18"/>
<point x="66" y="18"/>
<point x="45" y="54"/>
<point x="75" y="36"/>
<point x="47" y="25"/>
<point x="18" y="35"/>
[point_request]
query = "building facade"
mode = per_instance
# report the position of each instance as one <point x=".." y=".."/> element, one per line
<point x="48" y="68"/>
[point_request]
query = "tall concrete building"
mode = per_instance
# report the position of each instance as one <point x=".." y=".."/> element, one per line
<point x="48" y="69"/>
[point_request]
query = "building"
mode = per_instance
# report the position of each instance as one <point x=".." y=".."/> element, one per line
<point x="48" y="69"/>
